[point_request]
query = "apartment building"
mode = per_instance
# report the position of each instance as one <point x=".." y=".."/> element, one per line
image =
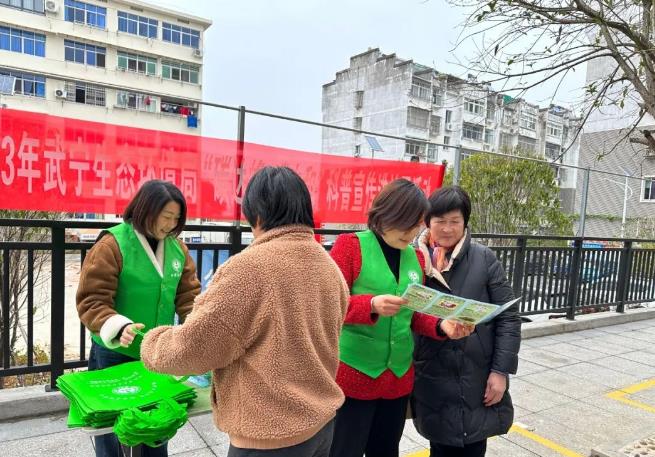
<point x="122" y="62"/>
<point x="385" y="94"/>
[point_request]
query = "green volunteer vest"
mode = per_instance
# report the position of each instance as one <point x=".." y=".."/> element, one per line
<point x="372" y="349"/>
<point x="142" y="294"/>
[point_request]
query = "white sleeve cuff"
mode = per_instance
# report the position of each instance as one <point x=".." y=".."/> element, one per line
<point x="111" y="327"/>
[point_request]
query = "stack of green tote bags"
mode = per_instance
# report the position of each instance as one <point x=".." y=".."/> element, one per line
<point x="142" y="406"/>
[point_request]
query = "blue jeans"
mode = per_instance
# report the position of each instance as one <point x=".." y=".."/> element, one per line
<point x="108" y="445"/>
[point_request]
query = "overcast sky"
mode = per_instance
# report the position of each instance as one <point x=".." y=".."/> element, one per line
<point x="275" y="55"/>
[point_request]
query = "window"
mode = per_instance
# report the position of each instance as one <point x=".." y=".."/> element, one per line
<point x="137" y="25"/>
<point x="449" y="116"/>
<point x="527" y="144"/>
<point x="26" y="83"/>
<point x="180" y="35"/>
<point x="472" y="132"/>
<point x="432" y="152"/>
<point x="180" y="71"/>
<point x="552" y="151"/>
<point x="435" y="125"/>
<point x="475" y="106"/>
<point x="489" y="136"/>
<point x="137" y="63"/>
<point x="35" y="6"/>
<point x="437" y="96"/>
<point x="421" y="89"/>
<point x="417" y="117"/>
<point x="84" y="13"/>
<point x="16" y="40"/>
<point x="359" y="99"/>
<point x="649" y="189"/>
<point x="88" y="94"/>
<point x="508" y="118"/>
<point x="358" y="150"/>
<point x="84" y="53"/>
<point x="553" y="129"/>
<point x="413" y="148"/>
<point x="506" y="141"/>
<point x="446" y="140"/>
<point x="177" y="108"/>
<point x="528" y="120"/>
<point x="133" y="100"/>
<point x="357" y="123"/>
<point x="491" y="111"/>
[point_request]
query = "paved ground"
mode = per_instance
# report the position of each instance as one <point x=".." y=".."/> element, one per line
<point x="573" y="392"/>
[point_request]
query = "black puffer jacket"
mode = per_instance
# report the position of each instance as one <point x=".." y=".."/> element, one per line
<point x="451" y="375"/>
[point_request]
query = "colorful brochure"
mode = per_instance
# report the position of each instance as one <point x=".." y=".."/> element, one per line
<point x="429" y="301"/>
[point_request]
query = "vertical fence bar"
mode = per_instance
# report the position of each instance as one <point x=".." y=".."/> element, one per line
<point x="624" y="276"/>
<point x="199" y="256"/>
<point x="457" y="166"/>
<point x="574" y="280"/>
<point x="57" y="305"/>
<point x="5" y="309"/>
<point x="82" y="327"/>
<point x="519" y="266"/>
<point x="30" y="308"/>
<point x="583" y="203"/>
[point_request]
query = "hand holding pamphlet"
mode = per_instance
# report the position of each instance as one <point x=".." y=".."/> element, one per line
<point x="470" y="312"/>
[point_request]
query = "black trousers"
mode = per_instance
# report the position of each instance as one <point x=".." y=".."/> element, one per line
<point x="477" y="449"/>
<point x="369" y="427"/>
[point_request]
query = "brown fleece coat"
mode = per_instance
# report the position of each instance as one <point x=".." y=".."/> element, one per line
<point x="99" y="281"/>
<point x="268" y="326"/>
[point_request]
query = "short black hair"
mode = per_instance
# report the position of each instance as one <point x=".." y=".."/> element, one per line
<point x="447" y="199"/>
<point x="148" y="203"/>
<point x="277" y="196"/>
<point x="400" y="205"/>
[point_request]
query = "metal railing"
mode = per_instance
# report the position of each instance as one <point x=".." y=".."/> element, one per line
<point x="551" y="274"/>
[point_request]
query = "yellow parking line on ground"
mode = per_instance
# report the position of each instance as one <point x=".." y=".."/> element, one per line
<point x="521" y="430"/>
<point x="544" y="441"/>
<point x="620" y="395"/>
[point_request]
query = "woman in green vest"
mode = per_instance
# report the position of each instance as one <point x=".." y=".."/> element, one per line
<point x="376" y="344"/>
<point x="137" y="275"/>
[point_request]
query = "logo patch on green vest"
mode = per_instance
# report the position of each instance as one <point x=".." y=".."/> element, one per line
<point x="413" y="276"/>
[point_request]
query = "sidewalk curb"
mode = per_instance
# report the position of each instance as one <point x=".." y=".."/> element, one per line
<point x="584" y="322"/>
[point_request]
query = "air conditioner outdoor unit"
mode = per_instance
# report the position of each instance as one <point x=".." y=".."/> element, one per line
<point x="197" y="53"/>
<point x="60" y="93"/>
<point x="450" y="126"/>
<point x="51" y="6"/>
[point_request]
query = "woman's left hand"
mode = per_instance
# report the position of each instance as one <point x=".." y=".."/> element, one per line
<point x="496" y="386"/>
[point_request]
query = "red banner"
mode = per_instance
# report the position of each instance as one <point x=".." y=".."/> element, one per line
<point x="51" y="163"/>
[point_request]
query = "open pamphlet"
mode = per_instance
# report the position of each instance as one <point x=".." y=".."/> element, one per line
<point x="429" y="301"/>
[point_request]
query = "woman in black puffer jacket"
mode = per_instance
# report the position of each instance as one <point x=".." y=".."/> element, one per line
<point x="461" y="393"/>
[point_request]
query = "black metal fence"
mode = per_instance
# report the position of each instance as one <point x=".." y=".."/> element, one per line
<point x="551" y="274"/>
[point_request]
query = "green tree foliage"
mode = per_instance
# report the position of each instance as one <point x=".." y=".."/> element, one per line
<point x="512" y="196"/>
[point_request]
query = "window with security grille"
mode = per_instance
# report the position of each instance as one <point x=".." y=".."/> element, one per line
<point x="85" y="13"/>
<point x="137" y="101"/>
<point x="472" y="132"/>
<point x="417" y="117"/>
<point x="528" y="120"/>
<point x="527" y="144"/>
<point x="88" y="94"/>
<point x="421" y="89"/>
<point x="84" y="53"/>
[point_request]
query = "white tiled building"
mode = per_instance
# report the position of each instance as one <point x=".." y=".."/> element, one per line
<point x="122" y="62"/>
<point x="384" y="94"/>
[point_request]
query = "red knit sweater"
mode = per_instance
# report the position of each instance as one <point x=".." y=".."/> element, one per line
<point x="347" y="253"/>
